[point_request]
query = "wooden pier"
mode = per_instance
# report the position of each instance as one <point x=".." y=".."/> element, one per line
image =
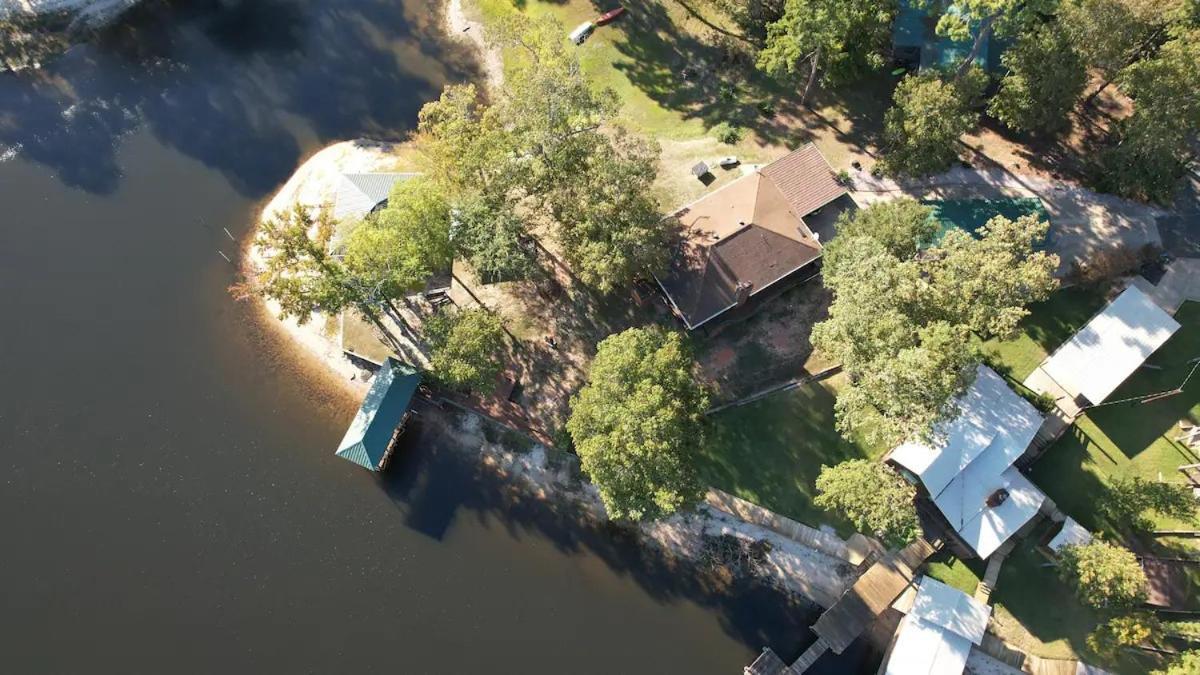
<point x="840" y="625"/>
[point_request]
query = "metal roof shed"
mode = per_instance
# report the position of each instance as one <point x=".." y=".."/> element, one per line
<point x="1114" y="344"/>
<point x="369" y="440"/>
<point x="936" y="636"/>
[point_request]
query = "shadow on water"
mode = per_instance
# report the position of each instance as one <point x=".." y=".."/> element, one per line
<point x="244" y="88"/>
<point x="433" y="484"/>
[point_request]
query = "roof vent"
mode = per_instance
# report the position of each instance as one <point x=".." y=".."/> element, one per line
<point x="997" y="498"/>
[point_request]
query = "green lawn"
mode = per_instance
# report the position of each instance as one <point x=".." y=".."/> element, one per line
<point x="1048" y="325"/>
<point x="1128" y="439"/>
<point x="770" y="451"/>
<point x="1035" y="611"/>
<point x="944" y="567"/>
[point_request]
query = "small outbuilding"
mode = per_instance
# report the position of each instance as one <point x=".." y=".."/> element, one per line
<point x="937" y="635"/>
<point x="1071" y="534"/>
<point x="359" y="194"/>
<point x="1105" y="352"/>
<point x="371" y="438"/>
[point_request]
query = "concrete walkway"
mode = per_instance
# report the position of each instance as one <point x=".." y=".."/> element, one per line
<point x="1083" y="222"/>
<point x="1180" y="284"/>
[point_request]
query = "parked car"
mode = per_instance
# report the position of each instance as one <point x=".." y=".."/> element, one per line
<point x="582" y="32"/>
<point x="729" y="162"/>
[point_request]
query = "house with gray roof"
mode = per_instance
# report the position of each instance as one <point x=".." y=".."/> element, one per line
<point x="359" y="194"/>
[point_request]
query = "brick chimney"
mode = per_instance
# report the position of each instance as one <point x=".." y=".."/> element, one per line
<point x="742" y="292"/>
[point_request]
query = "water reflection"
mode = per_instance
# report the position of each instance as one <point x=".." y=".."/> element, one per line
<point x="244" y="87"/>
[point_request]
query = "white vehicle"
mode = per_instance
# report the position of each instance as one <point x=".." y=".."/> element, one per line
<point x="728" y="162"/>
<point x="582" y="32"/>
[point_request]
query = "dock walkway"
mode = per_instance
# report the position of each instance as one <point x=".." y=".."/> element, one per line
<point x="840" y="625"/>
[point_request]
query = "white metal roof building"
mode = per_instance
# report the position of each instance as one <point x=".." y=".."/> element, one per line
<point x="1071" y="534"/>
<point x="971" y="459"/>
<point x="1114" y="344"/>
<point x="936" y="636"/>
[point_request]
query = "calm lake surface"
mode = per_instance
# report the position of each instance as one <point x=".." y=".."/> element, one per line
<point x="169" y="499"/>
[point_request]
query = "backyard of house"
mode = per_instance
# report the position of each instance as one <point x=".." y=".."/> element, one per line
<point x="1033" y="608"/>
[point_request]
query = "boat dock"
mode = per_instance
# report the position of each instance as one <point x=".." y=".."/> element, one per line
<point x="840" y="625"/>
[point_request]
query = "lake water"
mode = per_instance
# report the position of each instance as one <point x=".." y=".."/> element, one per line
<point x="169" y="500"/>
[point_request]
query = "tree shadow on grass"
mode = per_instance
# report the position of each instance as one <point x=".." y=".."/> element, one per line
<point x="771" y="451"/>
<point x="433" y="483"/>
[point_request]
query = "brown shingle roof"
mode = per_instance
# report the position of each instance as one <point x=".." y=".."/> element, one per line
<point x="749" y="232"/>
<point x="805" y="179"/>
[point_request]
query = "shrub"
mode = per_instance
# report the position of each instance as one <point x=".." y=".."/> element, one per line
<point x="727" y="133"/>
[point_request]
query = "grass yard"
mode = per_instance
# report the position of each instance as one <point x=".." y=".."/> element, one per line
<point x="770" y="451"/>
<point x="951" y="571"/>
<point x="1035" y="611"/>
<point x="678" y="73"/>
<point x="1048" y="325"/>
<point x="1129" y="439"/>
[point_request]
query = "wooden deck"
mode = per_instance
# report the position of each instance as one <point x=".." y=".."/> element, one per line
<point x="873" y="593"/>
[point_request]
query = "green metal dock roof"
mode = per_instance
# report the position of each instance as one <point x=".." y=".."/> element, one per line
<point x="366" y="441"/>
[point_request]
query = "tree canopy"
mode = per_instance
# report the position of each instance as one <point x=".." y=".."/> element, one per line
<point x="636" y="424"/>
<point x="466" y="349"/>
<point x="1122" y="632"/>
<point x="493" y="238"/>
<point x="395" y="251"/>
<point x="1045" y="78"/>
<point x="830" y="40"/>
<point x="1187" y="663"/>
<point x="544" y="152"/>
<point x="1105" y="576"/>
<point x="873" y="497"/>
<point x="904" y="311"/>
<point x="297" y="271"/>
<point x="922" y="128"/>
<point x="1154" y="144"/>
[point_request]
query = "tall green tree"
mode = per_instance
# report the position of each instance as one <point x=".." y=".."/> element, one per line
<point x="1105" y="576"/>
<point x="299" y="274"/>
<point x="466" y="146"/>
<point x="976" y="21"/>
<point x="903" y="226"/>
<point x="1111" y="34"/>
<point x="928" y="116"/>
<point x="1122" y="632"/>
<point x="904" y="311"/>
<point x="1153" y="145"/>
<point x="829" y="40"/>
<point x="1044" y="80"/>
<point x="297" y="271"/>
<point x="984" y="282"/>
<point x="466" y="349"/>
<point x="546" y="154"/>
<point x="636" y="424"/>
<point x="395" y="251"/>
<point x="493" y="238"/>
<point x="608" y="224"/>
<point x="871" y="496"/>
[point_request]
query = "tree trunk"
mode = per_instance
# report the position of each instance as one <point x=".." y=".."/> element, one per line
<point x="1137" y="54"/>
<point x="985" y="30"/>
<point x="814" y="65"/>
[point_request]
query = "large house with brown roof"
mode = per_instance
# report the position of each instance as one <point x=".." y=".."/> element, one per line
<point x="749" y="235"/>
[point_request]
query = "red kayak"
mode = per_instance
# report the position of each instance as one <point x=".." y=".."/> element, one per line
<point x="610" y="15"/>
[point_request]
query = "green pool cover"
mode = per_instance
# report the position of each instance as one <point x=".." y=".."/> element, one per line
<point x="971" y="214"/>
